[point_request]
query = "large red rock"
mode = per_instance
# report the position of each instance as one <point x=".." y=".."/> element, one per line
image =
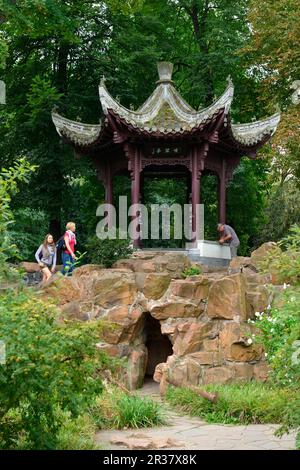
<point x="191" y="336"/>
<point x="65" y="289"/>
<point x="261" y="371"/>
<point x="227" y="298"/>
<point x="171" y="262"/>
<point x="136" y="368"/>
<point x="212" y="358"/>
<point x="195" y="288"/>
<point x="123" y="324"/>
<point x="114" y="288"/>
<point x="217" y="375"/>
<point x="243" y="371"/>
<point x="234" y="341"/>
<point x="175" y="309"/>
<point x="204" y="317"/>
<point x="155" y="285"/>
<point x="259" y="255"/>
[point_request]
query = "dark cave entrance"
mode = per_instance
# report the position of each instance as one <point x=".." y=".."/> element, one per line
<point x="158" y="345"/>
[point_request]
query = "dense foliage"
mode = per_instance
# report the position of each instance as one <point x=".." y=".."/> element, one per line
<point x="106" y="252"/>
<point x="9" y="179"/>
<point x="50" y="48"/>
<point x="279" y="326"/>
<point x="48" y="367"/>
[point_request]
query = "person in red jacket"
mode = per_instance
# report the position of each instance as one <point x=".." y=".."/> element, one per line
<point x="68" y="255"/>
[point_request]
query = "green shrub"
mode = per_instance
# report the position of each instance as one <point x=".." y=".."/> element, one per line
<point x="192" y="271"/>
<point x="73" y="434"/>
<point x="107" y="252"/>
<point x="28" y="231"/>
<point x="116" y="409"/>
<point x="9" y="178"/>
<point x="237" y="404"/>
<point x="285" y="264"/>
<point x="50" y="364"/>
<point x="279" y="332"/>
<point x="77" y="433"/>
<point x="280" y="327"/>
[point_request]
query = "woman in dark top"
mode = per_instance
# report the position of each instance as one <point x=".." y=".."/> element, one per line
<point x="46" y="257"/>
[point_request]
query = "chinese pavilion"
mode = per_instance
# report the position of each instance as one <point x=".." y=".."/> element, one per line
<point x="166" y="136"/>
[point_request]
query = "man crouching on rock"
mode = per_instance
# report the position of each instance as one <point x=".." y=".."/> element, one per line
<point x="227" y="234"/>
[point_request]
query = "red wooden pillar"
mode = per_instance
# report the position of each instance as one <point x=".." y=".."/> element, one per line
<point x="198" y="155"/>
<point x="134" y="165"/>
<point x="108" y="186"/>
<point x="196" y="174"/>
<point x="109" y="192"/>
<point x="222" y="193"/>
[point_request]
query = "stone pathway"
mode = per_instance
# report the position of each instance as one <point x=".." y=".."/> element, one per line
<point x="183" y="432"/>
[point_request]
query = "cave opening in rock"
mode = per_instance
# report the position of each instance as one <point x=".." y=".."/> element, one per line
<point x="158" y="345"/>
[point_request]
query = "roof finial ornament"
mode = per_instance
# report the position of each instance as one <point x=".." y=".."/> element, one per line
<point x="165" y="70"/>
<point x="296" y="95"/>
<point x="277" y="107"/>
<point x="229" y="81"/>
<point x="102" y="81"/>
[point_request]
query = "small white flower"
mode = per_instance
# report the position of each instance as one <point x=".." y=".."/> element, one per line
<point x="257" y="314"/>
<point x="266" y="354"/>
<point x="284" y="285"/>
<point x="269" y="307"/>
<point x="249" y="341"/>
<point x="272" y="330"/>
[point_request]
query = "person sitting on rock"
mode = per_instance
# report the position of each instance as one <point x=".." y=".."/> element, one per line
<point x="227" y="234"/>
<point x="46" y="257"/>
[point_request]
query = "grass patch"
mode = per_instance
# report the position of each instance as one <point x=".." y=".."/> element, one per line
<point x="74" y="434"/>
<point x="116" y="410"/>
<point x="77" y="434"/>
<point x="238" y="403"/>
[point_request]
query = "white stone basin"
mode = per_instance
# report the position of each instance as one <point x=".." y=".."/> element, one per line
<point x="212" y="249"/>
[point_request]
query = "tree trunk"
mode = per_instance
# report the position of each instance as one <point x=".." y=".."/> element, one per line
<point x="61" y="83"/>
<point x="199" y="21"/>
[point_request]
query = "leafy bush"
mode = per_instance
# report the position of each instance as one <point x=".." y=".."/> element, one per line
<point x="28" y="231"/>
<point x="49" y="365"/>
<point x="107" y="252"/>
<point x="279" y="331"/>
<point x="291" y="420"/>
<point x="9" y="178"/>
<point x="76" y="434"/>
<point x="280" y="326"/>
<point x="192" y="271"/>
<point x="238" y="403"/>
<point x="116" y="409"/>
<point x="283" y="209"/>
<point x="285" y="265"/>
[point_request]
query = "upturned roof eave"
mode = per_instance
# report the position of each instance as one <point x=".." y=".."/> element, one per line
<point x="165" y="93"/>
<point x="253" y="135"/>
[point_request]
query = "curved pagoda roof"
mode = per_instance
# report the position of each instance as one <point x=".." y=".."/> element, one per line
<point x="165" y="114"/>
